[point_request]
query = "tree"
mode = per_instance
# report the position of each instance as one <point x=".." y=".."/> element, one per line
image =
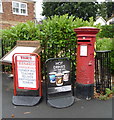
<point x="102" y="10"/>
<point x="83" y="10"/>
<point x="106" y="9"/>
<point x="110" y="9"/>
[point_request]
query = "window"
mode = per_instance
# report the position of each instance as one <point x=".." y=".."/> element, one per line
<point x="1" y="9"/>
<point x="19" y="8"/>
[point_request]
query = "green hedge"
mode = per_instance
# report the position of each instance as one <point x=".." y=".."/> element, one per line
<point x="22" y="31"/>
<point x="104" y="44"/>
<point x="107" y="31"/>
<point x="57" y="29"/>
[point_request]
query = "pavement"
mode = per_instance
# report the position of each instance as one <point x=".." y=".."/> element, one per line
<point x="93" y="108"/>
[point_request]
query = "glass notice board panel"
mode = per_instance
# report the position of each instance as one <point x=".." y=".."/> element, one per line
<point x="17" y="49"/>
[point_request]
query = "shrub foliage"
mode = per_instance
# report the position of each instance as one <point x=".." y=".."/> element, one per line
<point x="54" y="30"/>
<point x="107" y="31"/>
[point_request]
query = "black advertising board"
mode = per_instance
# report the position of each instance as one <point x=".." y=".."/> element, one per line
<point x="58" y="72"/>
<point x="58" y="82"/>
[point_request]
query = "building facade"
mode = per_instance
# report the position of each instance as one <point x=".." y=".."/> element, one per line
<point x="13" y="12"/>
<point x="110" y="20"/>
<point x="100" y="20"/>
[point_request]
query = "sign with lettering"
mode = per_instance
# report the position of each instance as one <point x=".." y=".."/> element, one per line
<point x="58" y="71"/>
<point x="26" y="72"/>
<point x="58" y="82"/>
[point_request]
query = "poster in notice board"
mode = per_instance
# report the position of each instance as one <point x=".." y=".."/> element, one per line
<point x="58" y="71"/>
<point x="26" y="72"/>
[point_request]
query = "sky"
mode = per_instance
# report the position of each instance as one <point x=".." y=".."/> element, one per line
<point x="39" y="8"/>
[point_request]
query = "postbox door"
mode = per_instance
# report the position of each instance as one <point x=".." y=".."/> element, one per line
<point x="85" y="64"/>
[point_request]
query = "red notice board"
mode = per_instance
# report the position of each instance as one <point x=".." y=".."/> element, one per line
<point x="26" y="72"/>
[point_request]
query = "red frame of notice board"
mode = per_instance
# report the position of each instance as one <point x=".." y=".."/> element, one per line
<point x="37" y="70"/>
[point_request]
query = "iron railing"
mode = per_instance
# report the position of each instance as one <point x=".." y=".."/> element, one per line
<point x="102" y="71"/>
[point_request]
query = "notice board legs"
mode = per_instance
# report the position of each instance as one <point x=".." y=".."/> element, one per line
<point x="25" y="100"/>
<point x="40" y="83"/>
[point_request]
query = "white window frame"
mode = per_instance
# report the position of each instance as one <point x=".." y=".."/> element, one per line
<point x="20" y="3"/>
<point x="1" y="8"/>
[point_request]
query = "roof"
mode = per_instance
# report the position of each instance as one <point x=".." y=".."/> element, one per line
<point x="110" y="20"/>
<point x="110" y="17"/>
<point x="100" y="20"/>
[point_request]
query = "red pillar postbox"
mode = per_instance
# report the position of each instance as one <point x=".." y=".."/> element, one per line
<point x="86" y="38"/>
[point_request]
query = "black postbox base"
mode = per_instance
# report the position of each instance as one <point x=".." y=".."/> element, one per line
<point x="84" y="91"/>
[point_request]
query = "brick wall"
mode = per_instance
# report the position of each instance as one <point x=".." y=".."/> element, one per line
<point x="12" y="19"/>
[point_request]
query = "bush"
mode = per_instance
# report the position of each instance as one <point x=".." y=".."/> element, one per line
<point x="60" y="30"/>
<point x="104" y="44"/>
<point x="106" y="31"/>
<point x="55" y="34"/>
<point x="22" y="31"/>
<point x="57" y="29"/>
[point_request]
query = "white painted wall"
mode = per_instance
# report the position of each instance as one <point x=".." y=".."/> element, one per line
<point x="108" y="22"/>
<point x="38" y="10"/>
<point x="100" y="20"/>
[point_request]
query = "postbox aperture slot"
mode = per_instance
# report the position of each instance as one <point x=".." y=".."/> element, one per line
<point x="83" y="40"/>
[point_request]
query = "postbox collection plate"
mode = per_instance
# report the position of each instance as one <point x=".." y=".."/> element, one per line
<point x="83" y="50"/>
